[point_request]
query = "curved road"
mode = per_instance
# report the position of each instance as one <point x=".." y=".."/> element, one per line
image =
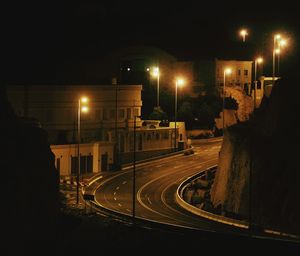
<point x="156" y="184"/>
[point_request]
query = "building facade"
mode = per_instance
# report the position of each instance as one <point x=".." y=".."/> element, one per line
<point x="241" y="74"/>
<point x="107" y="129"/>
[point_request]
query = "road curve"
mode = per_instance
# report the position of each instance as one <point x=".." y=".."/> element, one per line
<point x="156" y="185"/>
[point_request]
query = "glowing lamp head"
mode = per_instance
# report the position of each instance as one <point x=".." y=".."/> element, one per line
<point x="155" y="72"/>
<point x="84" y="99"/>
<point x="277" y="36"/>
<point x="243" y="32"/>
<point x="282" y="42"/>
<point x="84" y="109"/>
<point x="277" y="51"/>
<point x="227" y="71"/>
<point x="179" y="82"/>
<point x="259" y="60"/>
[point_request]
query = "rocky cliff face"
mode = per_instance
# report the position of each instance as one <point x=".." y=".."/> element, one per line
<point x="260" y="158"/>
<point x="29" y="181"/>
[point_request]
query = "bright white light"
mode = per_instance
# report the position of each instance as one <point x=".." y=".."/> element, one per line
<point x="84" y="99"/>
<point x="259" y="60"/>
<point x="227" y="71"/>
<point x="243" y="32"/>
<point x="84" y="109"/>
<point x="155" y="72"/>
<point x="179" y="81"/>
<point x="282" y="42"/>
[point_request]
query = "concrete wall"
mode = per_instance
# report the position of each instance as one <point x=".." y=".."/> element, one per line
<point x="237" y="76"/>
<point x="65" y="152"/>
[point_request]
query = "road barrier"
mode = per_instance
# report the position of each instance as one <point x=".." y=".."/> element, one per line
<point x="200" y="212"/>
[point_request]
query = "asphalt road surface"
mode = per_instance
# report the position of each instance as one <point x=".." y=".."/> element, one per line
<point x="156" y="185"/>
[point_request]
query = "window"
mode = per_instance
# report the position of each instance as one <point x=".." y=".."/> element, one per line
<point x="157" y="136"/>
<point x="166" y="135"/>
<point x="239" y="72"/>
<point x="74" y="165"/>
<point x="105" y="114"/>
<point x="136" y="112"/>
<point x="112" y="114"/>
<point x="246" y="72"/>
<point x="128" y="113"/>
<point x="149" y="136"/>
<point x="98" y="114"/>
<point x="121" y="113"/>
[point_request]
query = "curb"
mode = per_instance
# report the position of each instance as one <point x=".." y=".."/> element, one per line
<point x="70" y="181"/>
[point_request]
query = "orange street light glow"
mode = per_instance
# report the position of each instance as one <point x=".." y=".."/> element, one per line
<point x="84" y="99"/>
<point x="259" y="60"/>
<point x="179" y="82"/>
<point x="227" y="71"/>
<point x="244" y="33"/>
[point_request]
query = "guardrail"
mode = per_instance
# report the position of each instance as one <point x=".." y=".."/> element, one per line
<point x="200" y="212"/>
<point x="216" y="217"/>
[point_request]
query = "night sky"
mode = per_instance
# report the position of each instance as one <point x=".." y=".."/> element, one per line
<point x="41" y="35"/>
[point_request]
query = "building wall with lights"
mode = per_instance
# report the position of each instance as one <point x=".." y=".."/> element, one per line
<point x="241" y="74"/>
<point x="56" y="108"/>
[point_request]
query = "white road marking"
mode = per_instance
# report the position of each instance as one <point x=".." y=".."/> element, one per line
<point x="160" y="165"/>
<point x="128" y="210"/>
<point x="124" y="182"/>
<point x="148" y="198"/>
<point x="117" y="188"/>
<point x="115" y="193"/>
<point x="115" y="198"/>
<point x="119" y="204"/>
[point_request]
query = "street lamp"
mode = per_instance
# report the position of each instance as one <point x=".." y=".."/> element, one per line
<point x="244" y="33"/>
<point x="227" y="71"/>
<point x="179" y="82"/>
<point x="276" y="39"/>
<point x="156" y="74"/>
<point x="281" y="44"/>
<point x="133" y="173"/>
<point x="81" y="108"/>
<point x="257" y="61"/>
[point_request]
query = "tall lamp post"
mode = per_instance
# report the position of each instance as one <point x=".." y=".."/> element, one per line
<point x="178" y="82"/>
<point x="257" y="61"/>
<point x="243" y="34"/>
<point x="81" y="108"/>
<point x="133" y="172"/>
<point x="278" y="42"/>
<point x="227" y="71"/>
<point x="156" y="74"/>
<point x="276" y="39"/>
<point x="281" y="43"/>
